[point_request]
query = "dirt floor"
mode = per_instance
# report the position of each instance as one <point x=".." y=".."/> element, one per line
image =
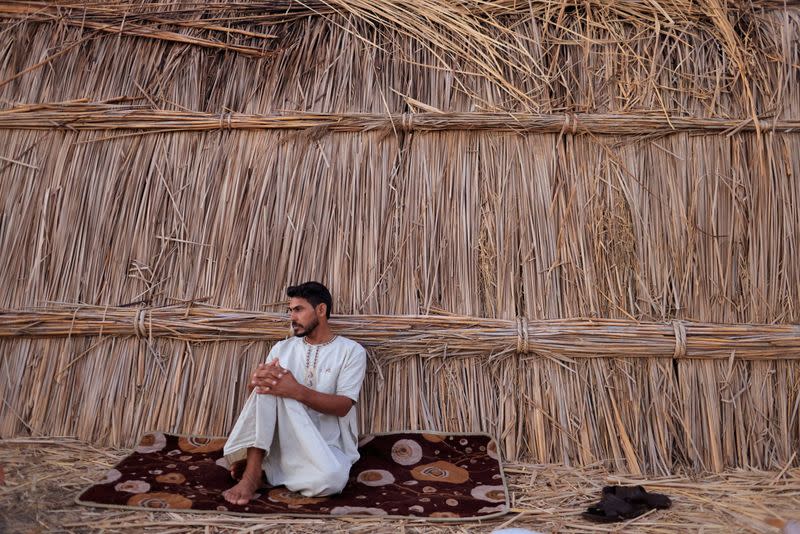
<point x="40" y="478"/>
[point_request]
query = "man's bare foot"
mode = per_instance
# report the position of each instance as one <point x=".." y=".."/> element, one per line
<point x="237" y="470"/>
<point x="243" y="492"/>
<point x="251" y="477"/>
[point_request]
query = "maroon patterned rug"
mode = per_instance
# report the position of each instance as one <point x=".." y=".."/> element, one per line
<point x="425" y="475"/>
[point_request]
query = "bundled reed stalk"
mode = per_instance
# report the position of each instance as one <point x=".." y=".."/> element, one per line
<point x="423" y="335"/>
<point x="103" y="116"/>
<point x="546" y="160"/>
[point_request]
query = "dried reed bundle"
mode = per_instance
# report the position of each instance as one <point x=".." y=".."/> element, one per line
<point x="102" y="116"/>
<point x="503" y="56"/>
<point x="115" y="17"/>
<point x="42" y="12"/>
<point x="468" y="36"/>
<point x="423" y="335"/>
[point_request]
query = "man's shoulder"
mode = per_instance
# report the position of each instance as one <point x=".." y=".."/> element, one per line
<point x="344" y="343"/>
<point x="286" y="343"/>
<point x="350" y="345"/>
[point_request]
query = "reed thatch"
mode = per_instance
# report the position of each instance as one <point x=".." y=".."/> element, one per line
<point x="471" y="161"/>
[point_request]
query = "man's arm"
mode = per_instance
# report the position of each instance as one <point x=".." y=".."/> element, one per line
<point x="272" y="379"/>
<point x="337" y="405"/>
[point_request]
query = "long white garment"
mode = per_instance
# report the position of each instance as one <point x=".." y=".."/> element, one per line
<point x="307" y="451"/>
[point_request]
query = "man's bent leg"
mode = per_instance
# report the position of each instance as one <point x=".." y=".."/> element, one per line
<point x="254" y="428"/>
<point x="250" y="439"/>
<point x="300" y="458"/>
<point x="333" y="479"/>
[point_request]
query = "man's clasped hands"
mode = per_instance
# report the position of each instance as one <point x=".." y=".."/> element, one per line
<point x="270" y="378"/>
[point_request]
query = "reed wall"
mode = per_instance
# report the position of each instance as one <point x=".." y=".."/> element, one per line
<point x="545" y="160"/>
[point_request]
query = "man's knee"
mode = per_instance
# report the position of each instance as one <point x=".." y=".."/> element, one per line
<point x="266" y="401"/>
<point x="331" y="482"/>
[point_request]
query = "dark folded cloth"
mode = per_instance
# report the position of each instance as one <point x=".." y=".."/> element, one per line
<point x="620" y="503"/>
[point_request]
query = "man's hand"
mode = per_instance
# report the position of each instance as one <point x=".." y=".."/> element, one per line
<point x="272" y="379"/>
<point x="265" y="371"/>
<point x="262" y="372"/>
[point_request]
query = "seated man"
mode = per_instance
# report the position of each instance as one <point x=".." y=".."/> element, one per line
<point x="298" y="427"/>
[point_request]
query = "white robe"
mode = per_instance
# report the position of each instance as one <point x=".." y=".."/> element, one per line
<point x="307" y="451"/>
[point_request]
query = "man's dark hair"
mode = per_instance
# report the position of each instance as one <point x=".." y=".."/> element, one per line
<point x="313" y="292"/>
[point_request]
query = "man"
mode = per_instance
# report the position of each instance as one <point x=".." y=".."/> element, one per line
<point x="298" y="427"/>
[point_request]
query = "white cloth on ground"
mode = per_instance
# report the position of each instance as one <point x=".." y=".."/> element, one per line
<point x="305" y="450"/>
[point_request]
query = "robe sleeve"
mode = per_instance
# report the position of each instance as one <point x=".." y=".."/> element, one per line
<point x="352" y="373"/>
<point x="274" y="352"/>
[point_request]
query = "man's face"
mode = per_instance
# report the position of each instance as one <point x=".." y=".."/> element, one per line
<point x="303" y="316"/>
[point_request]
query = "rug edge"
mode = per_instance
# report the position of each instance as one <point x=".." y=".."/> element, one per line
<point x="415" y="519"/>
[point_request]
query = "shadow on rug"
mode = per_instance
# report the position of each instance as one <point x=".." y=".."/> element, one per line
<point x="448" y="477"/>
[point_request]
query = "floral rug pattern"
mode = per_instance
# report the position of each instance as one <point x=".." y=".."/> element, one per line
<point x="425" y="475"/>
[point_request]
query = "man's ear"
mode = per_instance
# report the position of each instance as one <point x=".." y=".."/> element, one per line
<point x="322" y="309"/>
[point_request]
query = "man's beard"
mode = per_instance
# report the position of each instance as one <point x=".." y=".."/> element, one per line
<point x="307" y="330"/>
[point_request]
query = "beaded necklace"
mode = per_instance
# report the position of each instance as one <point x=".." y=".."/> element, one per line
<point x="311" y="369"/>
